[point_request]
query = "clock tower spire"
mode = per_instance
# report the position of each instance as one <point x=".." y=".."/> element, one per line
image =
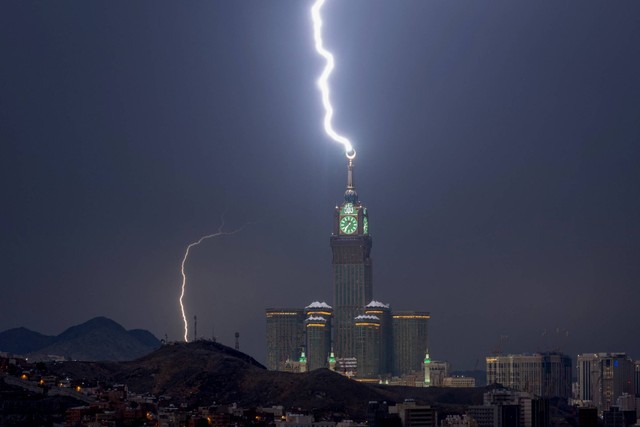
<point x="351" y="189"/>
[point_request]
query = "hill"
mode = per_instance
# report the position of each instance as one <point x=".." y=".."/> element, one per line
<point x="97" y="339"/>
<point x="23" y="341"/>
<point x="204" y="372"/>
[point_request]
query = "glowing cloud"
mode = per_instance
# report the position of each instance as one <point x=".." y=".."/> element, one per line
<point x="323" y="84"/>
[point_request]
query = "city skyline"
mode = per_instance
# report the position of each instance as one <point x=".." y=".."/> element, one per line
<point x="497" y="152"/>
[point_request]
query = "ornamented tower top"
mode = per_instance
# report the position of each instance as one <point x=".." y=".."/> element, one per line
<point x="351" y="217"/>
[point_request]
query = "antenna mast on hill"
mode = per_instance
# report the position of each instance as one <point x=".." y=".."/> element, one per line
<point x="195" y="328"/>
<point x="237" y="340"/>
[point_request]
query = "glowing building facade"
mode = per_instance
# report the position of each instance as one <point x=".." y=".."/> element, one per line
<point x="367" y="331"/>
<point x="383" y="312"/>
<point x="285" y="339"/>
<point x="318" y="334"/>
<point x="410" y="333"/>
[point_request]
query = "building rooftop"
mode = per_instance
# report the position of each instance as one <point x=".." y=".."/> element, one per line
<point x="377" y="304"/>
<point x="367" y="317"/>
<point x="318" y="304"/>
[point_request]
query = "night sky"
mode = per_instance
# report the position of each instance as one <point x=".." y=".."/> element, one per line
<point x="497" y="155"/>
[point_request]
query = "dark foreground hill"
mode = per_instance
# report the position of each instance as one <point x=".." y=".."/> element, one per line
<point x="203" y="372"/>
<point x="98" y="339"/>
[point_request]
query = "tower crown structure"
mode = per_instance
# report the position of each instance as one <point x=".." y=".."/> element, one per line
<point x="351" y="217"/>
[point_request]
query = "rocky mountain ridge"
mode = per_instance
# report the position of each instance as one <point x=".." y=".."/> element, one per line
<point x="97" y="339"/>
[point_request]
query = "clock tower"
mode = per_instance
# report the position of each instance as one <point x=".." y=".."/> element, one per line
<point x="351" y="262"/>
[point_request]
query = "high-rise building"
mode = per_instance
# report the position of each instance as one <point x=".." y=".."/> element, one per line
<point x="542" y="374"/>
<point x="410" y="335"/>
<point x="367" y="345"/>
<point x="351" y="261"/>
<point x="285" y="336"/>
<point x="603" y="377"/>
<point x="383" y="312"/>
<point x="617" y="378"/>
<point x="589" y="380"/>
<point x="318" y="332"/>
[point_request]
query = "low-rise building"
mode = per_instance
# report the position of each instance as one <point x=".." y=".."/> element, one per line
<point x="414" y="415"/>
<point x="458" y="382"/>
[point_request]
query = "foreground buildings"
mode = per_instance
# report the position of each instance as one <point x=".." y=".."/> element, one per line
<point x="508" y="408"/>
<point x="357" y="336"/>
<point x="603" y="378"/>
<point x="541" y="374"/>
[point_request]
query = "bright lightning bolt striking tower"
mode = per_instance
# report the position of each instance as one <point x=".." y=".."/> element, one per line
<point x="184" y="276"/>
<point x="323" y="84"/>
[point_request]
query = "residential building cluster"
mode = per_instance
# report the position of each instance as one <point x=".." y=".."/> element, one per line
<point x="608" y="379"/>
<point x="607" y="386"/>
<point x="115" y="405"/>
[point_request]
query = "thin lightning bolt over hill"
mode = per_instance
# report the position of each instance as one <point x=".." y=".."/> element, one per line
<point x="220" y="232"/>
<point x="323" y="84"/>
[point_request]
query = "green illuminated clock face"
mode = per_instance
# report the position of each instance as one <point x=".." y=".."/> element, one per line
<point x="348" y="224"/>
<point x="365" y="225"/>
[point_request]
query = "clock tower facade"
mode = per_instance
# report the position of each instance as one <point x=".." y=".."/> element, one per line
<point x="351" y="262"/>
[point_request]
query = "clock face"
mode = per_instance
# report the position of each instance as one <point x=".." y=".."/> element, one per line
<point x="348" y="224"/>
<point x="365" y="225"/>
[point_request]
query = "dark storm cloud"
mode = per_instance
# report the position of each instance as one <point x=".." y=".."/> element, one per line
<point x="497" y="153"/>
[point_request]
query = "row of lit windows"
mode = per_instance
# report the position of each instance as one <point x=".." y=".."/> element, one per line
<point x="412" y="316"/>
<point x="284" y="313"/>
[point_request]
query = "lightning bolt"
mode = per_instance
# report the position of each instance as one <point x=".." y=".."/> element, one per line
<point x="219" y="233"/>
<point x="323" y="84"/>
